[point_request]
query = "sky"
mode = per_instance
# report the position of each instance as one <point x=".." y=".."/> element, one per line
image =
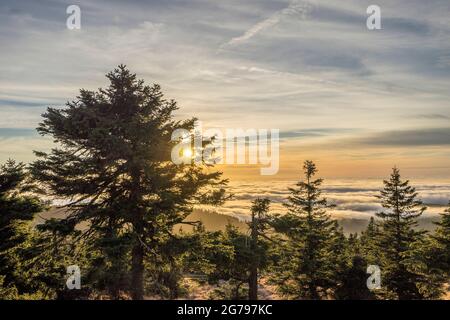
<point x="354" y="100"/>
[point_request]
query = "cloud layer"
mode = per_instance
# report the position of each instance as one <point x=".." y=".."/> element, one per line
<point x="353" y="198"/>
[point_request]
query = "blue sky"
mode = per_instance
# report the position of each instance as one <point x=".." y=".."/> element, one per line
<point x="310" y="68"/>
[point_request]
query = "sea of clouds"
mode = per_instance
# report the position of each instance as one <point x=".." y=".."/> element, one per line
<point x="353" y="198"/>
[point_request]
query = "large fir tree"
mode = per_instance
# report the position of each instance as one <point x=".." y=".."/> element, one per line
<point x="306" y="268"/>
<point x="397" y="237"/>
<point x="114" y="166"/>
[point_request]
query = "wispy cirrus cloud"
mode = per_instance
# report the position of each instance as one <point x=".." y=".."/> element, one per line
<point x="298" y="8"/>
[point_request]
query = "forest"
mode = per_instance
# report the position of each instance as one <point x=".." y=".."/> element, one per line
<point x="123" y="196"/>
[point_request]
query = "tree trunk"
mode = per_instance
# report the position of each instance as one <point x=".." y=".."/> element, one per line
<point x="253" y="277"/>
<point x="137" y="252"/>
<point x="253" y="284"/>
<point x="137" y="272"/>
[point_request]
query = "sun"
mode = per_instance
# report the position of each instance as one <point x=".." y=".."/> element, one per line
<point x="187" y="153"/>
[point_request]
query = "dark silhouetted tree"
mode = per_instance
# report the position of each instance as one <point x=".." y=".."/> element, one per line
<point x="114" y="166"/>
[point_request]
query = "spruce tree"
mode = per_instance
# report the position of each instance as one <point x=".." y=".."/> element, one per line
<point x="397" y="237"/>
<point x="442" y="238"/>
<point x="369" y="244"/>
<point x="354" y="243"/>
<point x="306" y="269"/>
<point x="433" y="253"/>
<point x="258" y="226"/>
<point x="352" y="284"/>
<point x="48" y="253"/>
<point x="353" y="281"/>
<point x="17" y="209"/>
<point x="114" y="166"/>
<point x="339" y="246"/>
<point x="231" y="272"/>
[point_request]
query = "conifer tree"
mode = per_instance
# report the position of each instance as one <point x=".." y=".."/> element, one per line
<point x="397" y="237"/>
<point x="353" y="281"/>
<point x="258" y="226"/>
<point x="339" y="245"/>
<point x="114" y="165"/>
<point x="232" y="269"/>
<point x="352" y="284"/>
<point x="17" y="209"/>
<point x="229" y="258"/>
<point x="442" y="238"/>
<point x="306" y="269"/>
<point x="48" y="253"/>
<point x="433" y="253"/>
<point x="369" y="244"/>
<point x="354" y="243"/>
